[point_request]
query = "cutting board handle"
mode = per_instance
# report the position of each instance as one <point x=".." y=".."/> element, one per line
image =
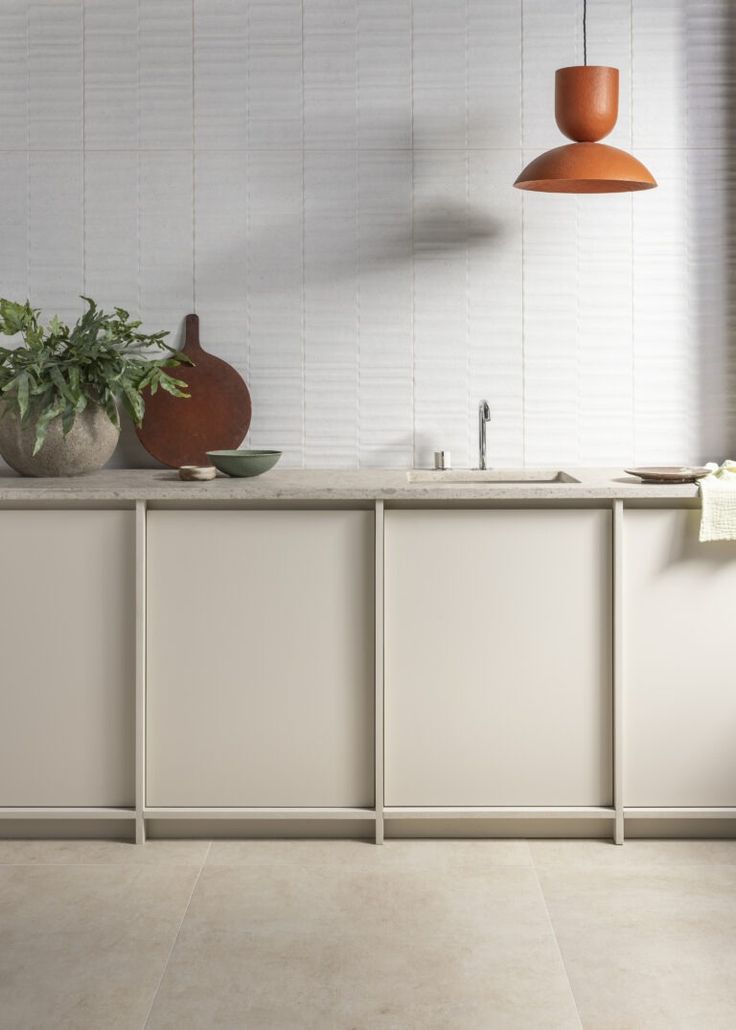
<point x="191" y="339"/>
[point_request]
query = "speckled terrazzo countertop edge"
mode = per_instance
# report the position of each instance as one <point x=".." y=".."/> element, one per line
<point x="336" y="485"/>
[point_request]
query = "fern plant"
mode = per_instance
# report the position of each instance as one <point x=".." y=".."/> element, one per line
<point x="57" y="370"/>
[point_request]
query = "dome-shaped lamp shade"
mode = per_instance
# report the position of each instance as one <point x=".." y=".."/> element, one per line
<point x="586" y="108"/>
<point x="585" y="168"/>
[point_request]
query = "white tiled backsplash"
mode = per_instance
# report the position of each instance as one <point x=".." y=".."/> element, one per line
<point x="328" y="184"/>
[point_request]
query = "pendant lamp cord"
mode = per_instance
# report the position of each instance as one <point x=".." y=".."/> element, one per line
<point x="585" y="31"/>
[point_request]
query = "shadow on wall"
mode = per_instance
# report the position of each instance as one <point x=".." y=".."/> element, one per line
<point x="387" y="235"/>
<point x="439" y="228"/>
<point x="412" y="200"/>
<point x="380" y="237"/>
<point x="712" y="213"/>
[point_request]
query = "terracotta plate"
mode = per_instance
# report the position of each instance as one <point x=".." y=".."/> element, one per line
<point x="669" y="474"/>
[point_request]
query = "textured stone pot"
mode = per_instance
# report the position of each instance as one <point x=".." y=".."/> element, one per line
<point x="86" y="447"/>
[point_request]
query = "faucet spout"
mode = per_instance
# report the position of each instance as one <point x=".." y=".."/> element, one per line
<point x="484" y="416"/>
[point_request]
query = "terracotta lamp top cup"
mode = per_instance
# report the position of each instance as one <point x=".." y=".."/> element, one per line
<point x="586" y="101"/>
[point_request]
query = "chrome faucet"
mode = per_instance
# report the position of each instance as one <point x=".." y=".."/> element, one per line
<point x="484" y="416"/>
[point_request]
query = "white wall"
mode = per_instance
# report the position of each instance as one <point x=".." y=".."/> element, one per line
<point x="328" y="183"/>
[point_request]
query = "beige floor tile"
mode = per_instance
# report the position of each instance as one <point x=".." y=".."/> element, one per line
<point x="633" y="854"/>
<point x="102" y="852"/>
<point x="294" y="938"/>
<point x="648" y="948"/>
<point x="84" y="946"/>
<point x="438" y="855"/>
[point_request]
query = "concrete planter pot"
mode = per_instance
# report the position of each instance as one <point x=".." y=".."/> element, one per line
<point x="86" y="447"/>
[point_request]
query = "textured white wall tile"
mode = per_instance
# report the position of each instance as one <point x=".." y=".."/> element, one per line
<point x="385" y="389"/>
<point x="330" y="73"/>
<point x="275" y="74"/>
<point x="111" y="229"/>
<point x="442" y="405"/>
<point x="659" y="74"/>
<point x="166" y="101"/>
<point x="710" y="33"/>
<point x="221" y="73"/>
<point x="495" y="367"/>
<point x="331" y="308"/>
<point x="275" y="301"/>
<point x="666" y="356"/>
<point x="13" y="75"/>
<point x="604" y="324"/>
<point x="551" y="365"/>
<point x="221" y="251"/>
<point x="14" y="225"/>
<point x="439" y="59"/>
<point x="111" y="74"/>
<point x="711" y="183"/>
<point x="494" y="73"/>
<point x="55" y="74"/>
<point x="166" y="239"/>
<point x="329" y="184"/>
<point x="55" y="244"/>
<point x="384" y="110"/>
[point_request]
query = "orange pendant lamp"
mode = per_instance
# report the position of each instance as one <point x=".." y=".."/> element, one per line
<point x="586" y="109"/>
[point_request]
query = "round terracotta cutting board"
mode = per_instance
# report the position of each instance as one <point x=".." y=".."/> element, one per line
<point x="215" y="417"/>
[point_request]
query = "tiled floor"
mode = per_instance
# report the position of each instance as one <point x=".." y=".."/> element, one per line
<point x="333" y="935"/>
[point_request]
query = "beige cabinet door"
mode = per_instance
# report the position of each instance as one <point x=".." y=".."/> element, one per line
<point x="260" y="658"/>
<point x="67" y="665"/>
<point x="498" y="658"/>
<point x="679" y="670"/>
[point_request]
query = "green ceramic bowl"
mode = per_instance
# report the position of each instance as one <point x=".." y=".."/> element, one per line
<point x="244" y="463"/>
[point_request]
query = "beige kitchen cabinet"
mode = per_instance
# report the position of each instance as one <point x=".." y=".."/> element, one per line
<point x="67" y="640"/>
<point x="498" y="657"/>
<point x="679" y="672"/>
<point x="260" y="685"/>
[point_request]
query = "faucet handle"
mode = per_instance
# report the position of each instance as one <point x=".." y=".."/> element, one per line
<point x="484" y="411"/>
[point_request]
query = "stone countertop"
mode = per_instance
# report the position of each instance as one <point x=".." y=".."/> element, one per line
<point x="326" y="485"/>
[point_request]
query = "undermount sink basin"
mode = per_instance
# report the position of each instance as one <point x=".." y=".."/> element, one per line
<point x="525" y="475"/>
